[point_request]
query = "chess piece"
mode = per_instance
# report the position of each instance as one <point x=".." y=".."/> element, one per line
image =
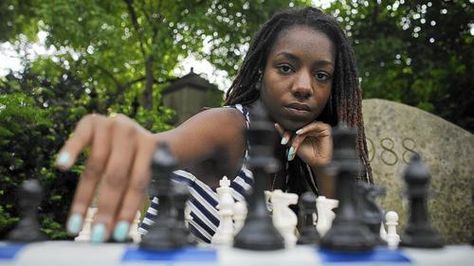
<point x="308" y="232"/>
<point x="284" y="219"/>
<point x="325" y="213"/>
<point x="419" y="232"/>
<point x="240" y="212"/>
<point x="225" y="231"/>
<point x="392" y="238"/>
<point x="383" y="232"/>
<point x="348" y="232"/>
<point x="180" y="196"/>
<point x="133" y="233"/>
<point x="28" y="228"/>
<point x="85" y="233"/>
<point x="258" y="232"/>
<point x="162" y="234"/>
<point x="371" y="213"/>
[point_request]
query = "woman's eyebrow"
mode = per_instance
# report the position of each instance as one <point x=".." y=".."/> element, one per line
<point x="288" y="55"/>
<point x="323" y="63"/>
<point x="318" y="63"/>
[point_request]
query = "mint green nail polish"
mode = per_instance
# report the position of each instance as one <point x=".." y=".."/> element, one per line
<point x="284" y="140"/>
<point x="291" y="153"/>
<point x="63" y="159"/>
<point x="121" y="231"/>
<point x="98" y="233"/>
<point x="74" y="224"/>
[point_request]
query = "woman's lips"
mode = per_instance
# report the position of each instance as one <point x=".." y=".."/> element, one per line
<point x="299" y="107"/>
<point x="296" y="112"/>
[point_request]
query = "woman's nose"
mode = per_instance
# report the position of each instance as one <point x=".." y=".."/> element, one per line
<point x="301" y="88"/>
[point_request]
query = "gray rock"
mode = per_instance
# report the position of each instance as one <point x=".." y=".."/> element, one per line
<point x="394" y="132"/>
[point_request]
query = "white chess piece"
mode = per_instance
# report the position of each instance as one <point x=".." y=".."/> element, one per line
<point x="225" y="231"/>
<point x="284" y="219"/>
<point x="134" y="234"/>
<point x="391" y="220"/>
<point x="85" y="233"/>
<point x="325" y="213"/>
<point x="383" y="233"/>
<point x="240" y="213"/>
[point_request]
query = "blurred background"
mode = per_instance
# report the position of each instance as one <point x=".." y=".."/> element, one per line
<point x="62" y="59"/>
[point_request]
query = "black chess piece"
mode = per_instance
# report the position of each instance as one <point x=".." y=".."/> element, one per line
<point x="162" y="234"/>
<point x="180" y="197"/>
<point x="419" y="231"/>
<point x="371" y="213"/>
<point x="307" y="207"/>
<point x="28" y="228"/>
<point x="348" y="232"/>
<point x="472" y="225"/>
<point x="258" y="231"/>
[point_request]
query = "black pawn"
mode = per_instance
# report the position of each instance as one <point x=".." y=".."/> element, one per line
<point x="30" y="195"/>
<point x="348" y="232"/>
<point x="371" y="213"/>
<point x="162" y="234"/>
<point x="307" y="207"/>
<point x="258" y="231"/>
<point x="419" y="232"/>
<point x="180" y="197"/>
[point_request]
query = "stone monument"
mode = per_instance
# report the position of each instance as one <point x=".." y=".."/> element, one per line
<point x="394" y="133"/>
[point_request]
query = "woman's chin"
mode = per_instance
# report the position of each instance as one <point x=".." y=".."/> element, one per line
<point x="292" y="125"/>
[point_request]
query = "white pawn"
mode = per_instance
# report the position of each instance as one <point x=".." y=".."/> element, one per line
<point x="325" y="214"/>
<point x="225" y="231"/>
<point x="85" y="233"/>
<point x="240" y="213"/>
<point x="133" y="233"/>
<point x="284" y="219"/>
<point x="392" y="238"/>
<point x="383" y="233"/>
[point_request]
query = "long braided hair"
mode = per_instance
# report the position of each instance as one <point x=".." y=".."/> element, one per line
<point x="344" y="104"/>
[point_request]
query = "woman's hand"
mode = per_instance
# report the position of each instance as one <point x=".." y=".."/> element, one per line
<point x="117" y="168"/>
<point x="312" y="143"/>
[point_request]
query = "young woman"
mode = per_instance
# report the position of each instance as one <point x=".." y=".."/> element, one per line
<point x="300" y="66"/>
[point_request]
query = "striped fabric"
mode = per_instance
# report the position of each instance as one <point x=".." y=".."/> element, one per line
<point x="203" y="201"/>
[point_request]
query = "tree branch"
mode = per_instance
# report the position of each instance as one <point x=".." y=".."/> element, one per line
<point x="136" y="26"/>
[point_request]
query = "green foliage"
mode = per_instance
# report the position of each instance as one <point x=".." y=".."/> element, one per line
<point x="416" y="52"/>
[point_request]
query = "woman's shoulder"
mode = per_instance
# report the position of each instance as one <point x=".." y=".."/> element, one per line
<point x="218" y="119"/>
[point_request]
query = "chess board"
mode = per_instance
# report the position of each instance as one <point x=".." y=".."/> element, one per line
<point x="54" y="253"/>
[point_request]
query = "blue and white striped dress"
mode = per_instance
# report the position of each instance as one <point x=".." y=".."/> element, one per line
<point x="203" y="201"/>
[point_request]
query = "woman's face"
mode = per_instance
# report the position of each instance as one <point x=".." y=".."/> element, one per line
<point x="298" y="75"/>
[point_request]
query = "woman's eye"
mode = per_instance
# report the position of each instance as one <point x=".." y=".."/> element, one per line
<point x="285" y="69"/>
<point x="322" y="76"/>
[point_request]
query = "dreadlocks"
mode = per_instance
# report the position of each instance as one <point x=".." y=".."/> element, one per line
<point x="344" y="104"/>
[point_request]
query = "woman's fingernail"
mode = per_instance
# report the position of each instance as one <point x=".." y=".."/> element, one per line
<point x="63" y="159"/>
<point x="284" y="140"/>
<point x="98" y="233"/>
<point x="74" y="224"/>
<point x="299" y="131"/>
<point x="121" y="231"/>
<point x="291" y="153"/>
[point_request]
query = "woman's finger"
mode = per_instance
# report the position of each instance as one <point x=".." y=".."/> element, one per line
<point x="92" y="173"/>
<point x="79" y="139"/>
<point x="317" y="132"/>
<point x="285" y="135"/>
<point x="315" y="127"/>
<point x="136" y="189"/>
<point x="115" y="177"/>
